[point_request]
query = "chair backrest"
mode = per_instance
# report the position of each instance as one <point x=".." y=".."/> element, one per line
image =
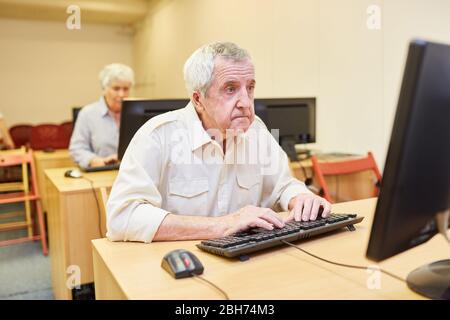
<point x="46" y="136"/>
<point x="322" y="169"/>
<point x="24" y="158"/>
<point x="21" y="134"/>
<point x="66" y="129"/>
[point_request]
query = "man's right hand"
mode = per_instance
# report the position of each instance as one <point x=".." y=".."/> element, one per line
<point x="251" y="217"/>
<point x="99" y="162"/>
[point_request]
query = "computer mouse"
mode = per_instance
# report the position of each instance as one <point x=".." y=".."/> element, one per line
<point x="73" y="173"/>
<point x="181" y="263"/>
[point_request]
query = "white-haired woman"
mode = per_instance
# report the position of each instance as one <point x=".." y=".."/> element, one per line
<point x="95" y="137"/>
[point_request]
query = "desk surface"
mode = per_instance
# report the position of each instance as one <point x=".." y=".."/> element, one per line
<point x="64" y="184"/>
<point x="279" y="273"/>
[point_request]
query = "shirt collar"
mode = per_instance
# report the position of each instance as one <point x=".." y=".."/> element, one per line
<point x="197" y="134"/>
<point x="103" y="107"/>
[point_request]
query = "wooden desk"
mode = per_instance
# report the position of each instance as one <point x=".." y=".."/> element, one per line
<point x="132" y="270"/>
<point x="73" y="221"/>
<point x="48" y="160"/>
<point x="342" y="188"/>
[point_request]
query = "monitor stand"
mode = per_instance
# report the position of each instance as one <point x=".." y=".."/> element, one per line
<point x="288" y="145"/>
<point x="433" y="280"/>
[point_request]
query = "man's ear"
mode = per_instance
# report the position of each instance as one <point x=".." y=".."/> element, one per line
<point x="195" y="98"/>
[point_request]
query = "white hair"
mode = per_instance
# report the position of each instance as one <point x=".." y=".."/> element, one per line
<point x="199" y="67"/>
<point x="115" y="71"/>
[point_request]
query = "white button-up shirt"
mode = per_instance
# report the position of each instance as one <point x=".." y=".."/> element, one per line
<point x="173" y="166"/>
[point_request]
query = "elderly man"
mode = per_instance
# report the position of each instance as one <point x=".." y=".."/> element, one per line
<point x="192" y="174"/>
<point x="95" y="137"/>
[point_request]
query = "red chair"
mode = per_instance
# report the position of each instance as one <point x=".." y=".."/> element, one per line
<point x="66" y="129"/>
<point x="322" y="169"/>
<point x="25" y="191"/>
<point x="46" y="136"/>
<point x="21" y="135"/>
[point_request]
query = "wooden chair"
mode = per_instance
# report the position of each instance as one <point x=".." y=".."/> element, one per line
<point x="322" y="169"/>
<point x="25" y="191"/>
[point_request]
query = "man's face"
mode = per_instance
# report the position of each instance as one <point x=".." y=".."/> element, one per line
<point x="228" y="102"/>
<point x="115" y="93"/>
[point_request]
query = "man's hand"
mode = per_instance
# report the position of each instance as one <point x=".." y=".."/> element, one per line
<point x="99" y="162"/>
<point x="249" y="217"/>
<point x="111" y="159"/>
<point x="305" y="207"/>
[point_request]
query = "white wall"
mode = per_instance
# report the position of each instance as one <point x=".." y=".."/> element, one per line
<point x="46" y="69"/>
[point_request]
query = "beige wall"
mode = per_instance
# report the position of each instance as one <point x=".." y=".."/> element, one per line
<point x="404" y="20"/>
<point x="174" y="29"/>
<point x="319" y="48"/>
<point x="46" y="69"/>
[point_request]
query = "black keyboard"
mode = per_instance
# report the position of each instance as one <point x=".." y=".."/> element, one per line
<point x="107" y="167"/>
<point x="256" y="239"/>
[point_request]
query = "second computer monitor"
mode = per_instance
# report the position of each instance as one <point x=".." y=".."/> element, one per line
<point x="136" y="112"/>
<point x="295" y="118"/>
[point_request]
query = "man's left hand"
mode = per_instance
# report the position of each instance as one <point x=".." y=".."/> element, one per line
<point x="306" y="206"/>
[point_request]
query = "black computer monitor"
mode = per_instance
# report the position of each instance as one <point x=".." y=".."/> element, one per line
<point x="295" y="118"/>
<point x="75" y="112"/>
<point x="136" y="112"/>
<point x="414" y="201"/>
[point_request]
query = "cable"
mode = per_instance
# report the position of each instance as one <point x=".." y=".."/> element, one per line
<point x="98" y="206"/>
<point x="342" y="264"/>
<point x="212" y="284"/>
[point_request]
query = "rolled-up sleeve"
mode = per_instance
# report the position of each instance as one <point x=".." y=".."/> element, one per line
<point x="280" y="186"/>
<point x="134" y="206"/>
<point x="80" y="145"/>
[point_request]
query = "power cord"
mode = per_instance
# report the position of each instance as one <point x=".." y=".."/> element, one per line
<point x="98" y="206"/>
<point x="342" y="264"/>
<point x="212" y="284"/>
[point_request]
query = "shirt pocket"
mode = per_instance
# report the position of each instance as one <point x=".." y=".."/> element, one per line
<point x="249" y="186"/>
<point x="188" y="197"/>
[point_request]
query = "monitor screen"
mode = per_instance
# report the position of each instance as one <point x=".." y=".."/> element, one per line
<point x="415" y="188"/>
<point x="75" y="112"/>
<point x="136" y="112"/>
<point x="294" y="117"/>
